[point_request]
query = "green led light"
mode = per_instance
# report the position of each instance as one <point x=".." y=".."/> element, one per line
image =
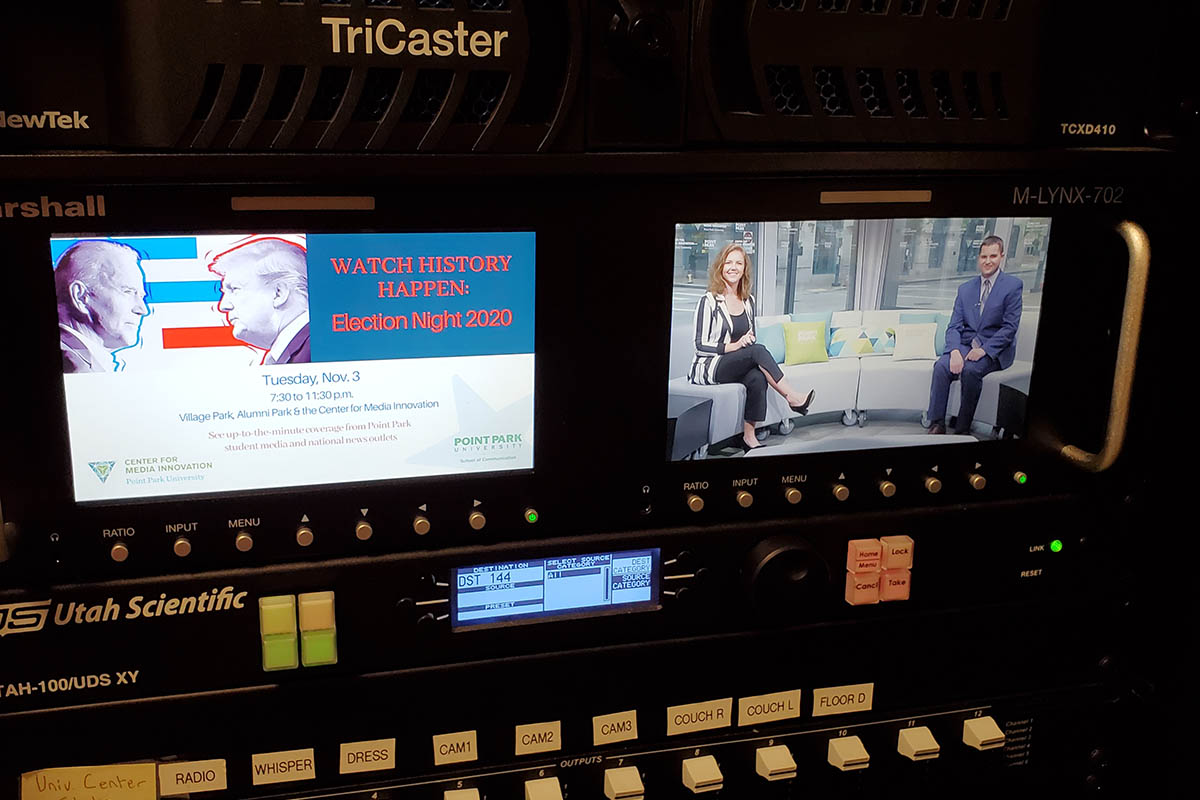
<point x="1056" y="546"/>
<point x="1021" y="478"/>
<point x="531" y="515"/>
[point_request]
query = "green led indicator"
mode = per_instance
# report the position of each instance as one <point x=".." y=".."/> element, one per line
<point x="1021" y="478"/>
<point x="1056" y="546"/>
<point x="531" y="515"/>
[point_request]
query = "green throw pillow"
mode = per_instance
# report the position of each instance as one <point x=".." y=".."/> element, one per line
<point x="804" y="342"/>
<point x="817" y="316"/>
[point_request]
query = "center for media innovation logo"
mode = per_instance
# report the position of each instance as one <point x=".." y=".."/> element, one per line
<point x="102" y="469"/>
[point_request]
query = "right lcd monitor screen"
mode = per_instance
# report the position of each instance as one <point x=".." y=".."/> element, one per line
<point x="810" y="336"/>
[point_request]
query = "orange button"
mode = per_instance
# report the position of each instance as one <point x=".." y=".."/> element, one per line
<point x="897" y="552"/>
<point x="895" y="585"/>
<point x="863" y="555"/>
<point x="862" y="589"/>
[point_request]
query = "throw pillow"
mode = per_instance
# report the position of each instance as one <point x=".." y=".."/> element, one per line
<point x="772" y="338"/>
<point x="804" y="342"/>
<point x="915" y="341"/>
<point x="817" y="316"/>
<point x="942" y="320"/>
<point x="856" y="340"/>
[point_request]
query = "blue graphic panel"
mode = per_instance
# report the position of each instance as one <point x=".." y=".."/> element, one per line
<point x="150" y="247"/>
<point x="420" y="295"/>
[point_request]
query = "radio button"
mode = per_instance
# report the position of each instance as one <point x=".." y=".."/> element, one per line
<point x="243" y="542"/>
<point x="363" y="530"/>
<point x="864" y="555"/>
<point x="304" y="536"/>
<point x="775" y="763"/>
<point x="543" y="789"/>
<point x="847" y="753"/>
<point x="119" y="552"/>
<point x="887" y="488"/>
<point x="745" y="499"/>
<point x="792" y="495"/>
<point x="421" y="525"/>
<point x="702" y="774"/>
<point x="862" y="588"/>
<point x="841" y="492"/>
<point x="182" y="547"/>
<point x="477" y="520"/>
<point x="982" y="733"/>
<point x="933" y="485"/>
<point x="918" y="744"/>
<point x="695" y="502"/>
<point x="897" y="552"/>
<point x="623" y="783"/>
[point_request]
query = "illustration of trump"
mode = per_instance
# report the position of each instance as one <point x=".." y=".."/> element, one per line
<point x="101" y="293"/>
<point x="264" y="295"/>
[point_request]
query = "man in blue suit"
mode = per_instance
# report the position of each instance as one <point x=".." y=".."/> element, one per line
<point x="981" y="337"/>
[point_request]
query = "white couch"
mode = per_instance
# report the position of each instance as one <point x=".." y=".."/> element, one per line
<point x="855" y="384"/>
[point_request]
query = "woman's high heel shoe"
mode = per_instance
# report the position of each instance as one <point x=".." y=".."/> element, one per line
<point x="747" y="448"/>
<point x="802" y="410"/>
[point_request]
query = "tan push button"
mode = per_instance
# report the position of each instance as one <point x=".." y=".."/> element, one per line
<point x="894" y="584"/>
<point x="864" y="555"/>
<point x="982" y="733"/>
<point x="182" y="547"/>
<point x="933" y="485"/>
<point x="119" y="552"/>
<point x="793" y="495"/>
<point x="847" y="753"/>
<point x="862" y="588"/>
<point x="623" y="783"/>
<point x="695" y="502"/>
<point x="977" y="481"/>
<point x="841" y="492"/>
<point x="897" y="552"/>
<point x="477" y="520"/>
<point x="244" y="542"/>
<point x="304" y="536"/>
<point x="775" y="763"/>
<point x="702" y="774"/>
<point x="543" y="789"/>
<point x="461" y="794"/>
<point x="887" y="488"/>
<point x="745" y="499"/>
<point x="363" y="530"/>
<point x="917" y="744"/>
<point x="421" y="525"/>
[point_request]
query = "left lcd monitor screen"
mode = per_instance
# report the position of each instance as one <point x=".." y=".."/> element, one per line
<point x="219" y="363"/>
<point x="534" y="590"/>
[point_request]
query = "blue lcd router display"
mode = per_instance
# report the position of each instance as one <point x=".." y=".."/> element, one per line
<point x="516" y="592"/>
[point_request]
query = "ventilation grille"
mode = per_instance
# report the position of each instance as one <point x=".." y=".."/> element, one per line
<point x="945" y="9"/>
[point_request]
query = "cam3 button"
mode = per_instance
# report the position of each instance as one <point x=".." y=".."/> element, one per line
<point x="623" y="783"/>
<point x="702" y="774"/>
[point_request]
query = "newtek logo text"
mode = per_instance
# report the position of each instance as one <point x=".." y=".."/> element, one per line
<point x="392" y="38"/>
<point x="54" y="120"/>
<point x="23" y="617"/>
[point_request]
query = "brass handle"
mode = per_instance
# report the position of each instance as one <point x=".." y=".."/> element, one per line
<point x="1138" y="244"/>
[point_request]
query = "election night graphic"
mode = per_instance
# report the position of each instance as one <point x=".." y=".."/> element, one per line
<point x="213" y="363"/>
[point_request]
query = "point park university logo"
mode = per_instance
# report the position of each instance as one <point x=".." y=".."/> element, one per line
<point x="102" y="469"/>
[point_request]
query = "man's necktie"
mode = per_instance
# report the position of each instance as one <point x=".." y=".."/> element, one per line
<point x="987" y="289"/>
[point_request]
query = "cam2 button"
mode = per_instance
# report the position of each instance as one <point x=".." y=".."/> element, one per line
<point x="543" y="789"/>
<point x="702" y="774"/>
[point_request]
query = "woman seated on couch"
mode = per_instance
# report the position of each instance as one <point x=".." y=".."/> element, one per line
<point x="726" y="351"/>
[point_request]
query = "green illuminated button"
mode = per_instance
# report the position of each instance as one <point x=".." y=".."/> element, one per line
<point x="1021" y="478"/>
<point x="316" y="611"/>
<point x="277" y="615"/>
<point x="1056" y="546"/>
<point x="279" y="652"/>
<point x="318" y="647"/>
<point x="531" y="515"/>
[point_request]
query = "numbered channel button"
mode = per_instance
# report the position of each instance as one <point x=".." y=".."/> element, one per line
<point x="702" y="774"/>
<point x="623" y="783"/>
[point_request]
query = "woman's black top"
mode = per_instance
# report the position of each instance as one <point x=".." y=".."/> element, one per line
<point x="741" y="326"/>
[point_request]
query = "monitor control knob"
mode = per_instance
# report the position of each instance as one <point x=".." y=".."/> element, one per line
<point x="745" y="499"/>
<point x="695" y="502"/>
<point x="841" y="492"/>
<point x="304" y="536"/>
<point x="977" y="481"/>
<point x="477" y="520"/>
<point x="887" y="488"/>
<point x="421" y="525"/>
<point x="363" y="530"/>
<point x="933" y="485"/>
<point x="182" y="547"/>
<point x="243" y="542"/>
<point x="793" y="495"/>
<point x="782" y="572"/>
<point x="119" y="552"/>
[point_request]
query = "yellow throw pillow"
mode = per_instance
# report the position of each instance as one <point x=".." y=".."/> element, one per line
<point x="804" y="342"/>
